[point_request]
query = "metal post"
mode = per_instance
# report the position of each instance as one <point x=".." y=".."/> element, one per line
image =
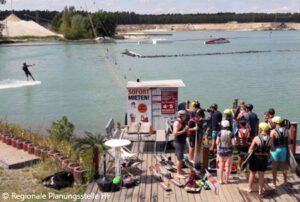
<point x="205" y="152"/>
<point x="293" y="136"/>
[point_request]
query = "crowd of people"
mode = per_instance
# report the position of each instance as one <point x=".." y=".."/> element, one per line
<point x="237" y="127"/>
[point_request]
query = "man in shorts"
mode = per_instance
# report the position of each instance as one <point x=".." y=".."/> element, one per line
<point x="180" y="132"/>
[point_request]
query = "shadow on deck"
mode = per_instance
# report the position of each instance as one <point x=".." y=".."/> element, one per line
<point x="150" y="190"/>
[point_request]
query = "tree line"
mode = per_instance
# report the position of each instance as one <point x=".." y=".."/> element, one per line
<point x="76" y="24"/>
<point x="134" y="18"/>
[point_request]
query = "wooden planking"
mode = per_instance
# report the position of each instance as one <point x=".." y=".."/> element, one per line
<point x="242" y="184"/>
<point x="294" y="188"/>
<point x="160" y="190"/>
<point x="90" y="190"/>
<point x="233" y="189"/>
<point x="149" y="190"/>
<point x="143" y="166"/>
<point x="148" y="180"/>
<point x="141" y="195"/>
<point x="179" y="191"/>
<point x="128" y="196"/>
<point x="154" y="185"/>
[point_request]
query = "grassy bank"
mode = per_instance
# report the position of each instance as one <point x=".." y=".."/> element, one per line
<point x="29" y="181"/>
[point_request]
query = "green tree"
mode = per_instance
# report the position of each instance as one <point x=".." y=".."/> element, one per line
<point x="65" y="26"/>
<point x="104" y="23"/>
<point x="56" y="21"/>
<point x="77" y="30"/>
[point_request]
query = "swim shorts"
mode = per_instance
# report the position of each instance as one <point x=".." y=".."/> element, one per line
<point x="179" y="150"/>
<point x="279" y="154"/>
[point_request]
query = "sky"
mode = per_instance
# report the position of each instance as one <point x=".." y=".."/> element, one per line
<point x="161" y="6"/>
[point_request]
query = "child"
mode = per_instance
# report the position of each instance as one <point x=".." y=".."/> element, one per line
<point x="243" y="139"/>
<point x="225" y="142"/>
<point x="261" y="146"/>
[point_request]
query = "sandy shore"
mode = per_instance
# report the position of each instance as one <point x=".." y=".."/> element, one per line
<point x="231" y="26"/>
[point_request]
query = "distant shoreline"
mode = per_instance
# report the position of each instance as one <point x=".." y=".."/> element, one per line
<point x="230" y="26"/>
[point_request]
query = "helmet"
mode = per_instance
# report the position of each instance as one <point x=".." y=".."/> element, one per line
<point x="225" y="123"/>
<point x="196" y="104"/>
<point x="228" y="111"/>
<point x="264" y="126"/>
<point x="277" y="119"/>
<point x="181" y="113"/>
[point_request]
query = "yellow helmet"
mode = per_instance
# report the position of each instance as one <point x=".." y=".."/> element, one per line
<point x="195" y="104"/>
<point x="264" y="126"/>
<point x="277" y="119"/>
<point x="228" y="111"/>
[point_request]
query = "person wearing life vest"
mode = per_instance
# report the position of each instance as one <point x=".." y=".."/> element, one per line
<point x="216" y="118"/>
<point x="260" y="146"/>
<point x="180" y="132"/>
<point x="280" y="137"/>
<point x="225" y="143"/>
<point x="243" y="141"/>
<point x="195" y="125"/>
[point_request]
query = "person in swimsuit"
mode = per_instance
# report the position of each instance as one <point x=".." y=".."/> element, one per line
<point x="27" y="72"/>
<point x="260" y="146"/>
<point x="281" y="140"/>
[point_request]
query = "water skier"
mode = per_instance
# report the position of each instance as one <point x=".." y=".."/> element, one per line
<point x="27" y="72"/>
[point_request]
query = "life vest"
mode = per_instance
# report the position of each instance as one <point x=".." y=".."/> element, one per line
<point x="181" y="138"/>
<point x="282" y="137"/>
<point x="264" y="146"/>
<point x="243" y="136"/>
<point x="225" y="146"/>
<point x="191" y="132"/>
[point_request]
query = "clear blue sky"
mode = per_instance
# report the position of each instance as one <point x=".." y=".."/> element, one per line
<point x="161" y="6"/>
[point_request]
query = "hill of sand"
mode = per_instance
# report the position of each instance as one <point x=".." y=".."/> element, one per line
<point x="15" y="27"/>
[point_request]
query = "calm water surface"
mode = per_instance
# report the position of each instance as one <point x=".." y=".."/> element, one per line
<point x="86" y="82"/>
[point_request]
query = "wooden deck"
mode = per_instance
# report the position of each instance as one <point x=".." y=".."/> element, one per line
<point x="149" y="189"/>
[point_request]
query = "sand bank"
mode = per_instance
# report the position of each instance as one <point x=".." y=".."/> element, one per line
<point x="231" y="26"/>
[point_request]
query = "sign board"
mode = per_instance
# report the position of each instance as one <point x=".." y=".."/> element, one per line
<point x="139" y="105"/>
<point x="169" y="101"/>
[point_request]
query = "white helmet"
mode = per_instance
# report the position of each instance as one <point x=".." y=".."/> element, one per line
<point x="181" y="113"/>
<point x="225" y="123"/>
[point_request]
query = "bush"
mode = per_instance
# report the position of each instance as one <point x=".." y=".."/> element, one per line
<point x="61" y="130"/>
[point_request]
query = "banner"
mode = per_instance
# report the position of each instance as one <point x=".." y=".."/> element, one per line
<point x="139" y="105"/>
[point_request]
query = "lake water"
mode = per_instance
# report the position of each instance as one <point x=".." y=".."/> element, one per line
<point x="86" y="82"/>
